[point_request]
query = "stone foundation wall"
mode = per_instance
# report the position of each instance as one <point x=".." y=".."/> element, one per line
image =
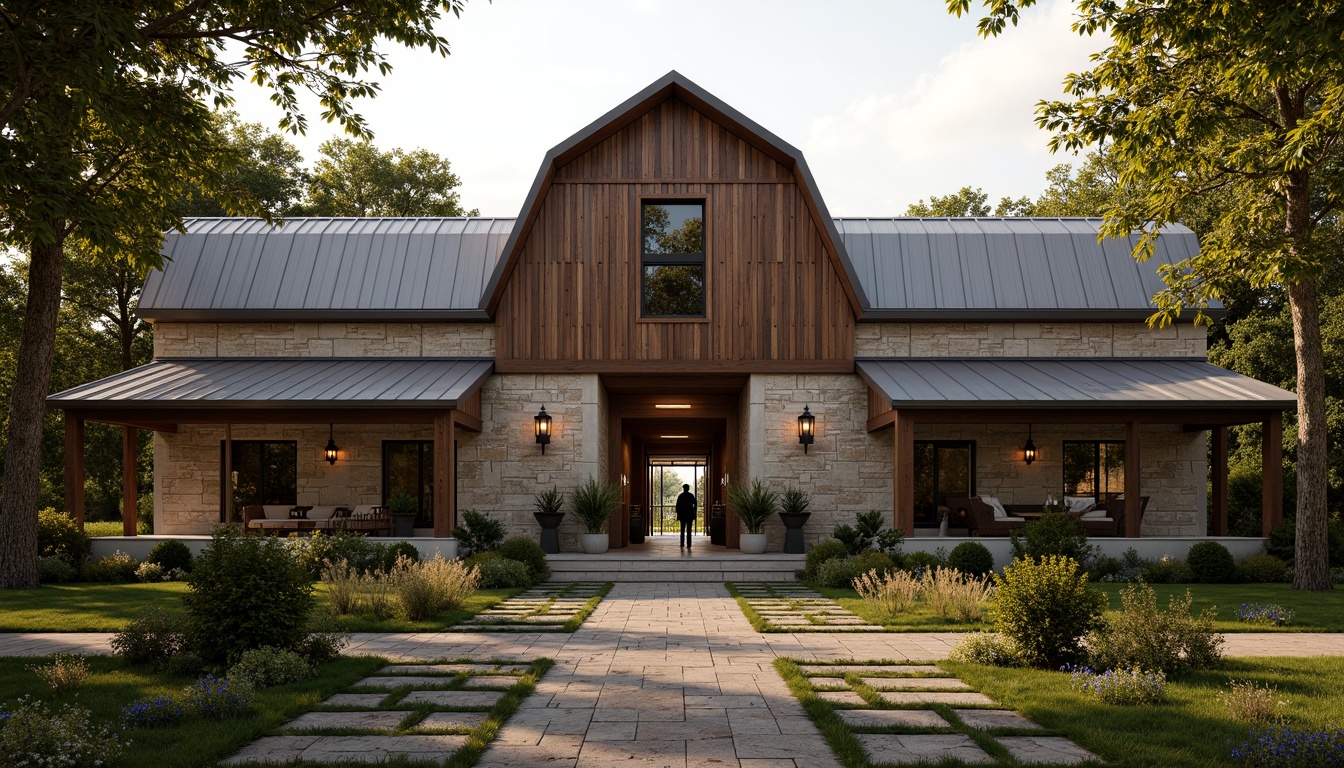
<point x="1028" y="340"/>
<point x="324" y="340"/>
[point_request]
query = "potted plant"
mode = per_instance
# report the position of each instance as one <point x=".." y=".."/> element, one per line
<point x="754" y="504"/>
<point x="793" y="511"/>
<point x="593" y="502"/>
<point x="550" y="511"/>
<point x="403" y="507"/>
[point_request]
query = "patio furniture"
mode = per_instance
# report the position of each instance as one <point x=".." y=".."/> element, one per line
<point x="1113" y="525"/>
<point x="368" y="519"/>
<point x="980" y="517"/>
<point x="284" y="518"/>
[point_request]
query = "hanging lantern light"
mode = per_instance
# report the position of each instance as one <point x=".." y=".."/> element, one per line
<point x="332" y="450"/>
<point x="1029" y="450"/>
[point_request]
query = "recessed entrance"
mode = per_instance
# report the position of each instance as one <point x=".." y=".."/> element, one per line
<point x="666" y="476"/>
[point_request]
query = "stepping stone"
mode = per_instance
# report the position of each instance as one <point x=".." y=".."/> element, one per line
<point x="841" y="697"/>
<point x="426" y="669"/>
<point x="354" y="699"/>
<point x="397" y="681"/>
<point x="271" y="749"/>
<point x="454" y="698"/>
<point x="881" y="718"/>
<point x="1049" y="750"/>
<point x="366" y="721"/>
<point x="916" y="748"/>
<point x="839" y="669"/>
<point x="987" y="719"/>
<point x="916" y="684"/>
<point x="442" y="721"/>
<point x="377" y="749"/>
<point x="936" y="697"/>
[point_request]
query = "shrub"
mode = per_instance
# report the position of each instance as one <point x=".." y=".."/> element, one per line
<point x="397" y="551"/>
<point x="1141" y="635"/>
<point x="891" y="592"/>
<point x="149" y="572"/>
<point x="919" y="562"/>
<point x="1287" y="747"/>
<point x="246" y="592"/>
<point x="64" y="672"/>
<point x="529" y="553"/>
<point x="58" y="535"/>
<point x="1282" y="542"/>
<point x="503" y="573"/>
<point x="118" y="568"/>
<point x="377" y="595"/>
<point x="1045" y="607"/>
<point x="838" y="572"/>
<point x="54" y="570"/>
<point x="867" y="533"/>
<point x="1262" y="569"/>
<point x="1053" y="534"/>
<point x="172" y="555"/>
<point x="952" y="594"/>
<point x="269" y="667"/>
<point x="1211" y="563"/>
<point x="1252" y="703"/>
<point x="65" y="738"/>
<point x="184" y="664"/>
<point x="151" y="713"/>
<point x="1167" y="570"/>
<point x="754" y="504"/>
<point x="323" y="639"/>
<point x="820" y="553"/>
<point x="1268" y="614"/>
<point x="427" y="588"/>
<point x="971" y="557"/>
<point x="874" y="561"/>
<point x="480" y="532"/>
<point x="1125" y="687"/>
<point x="150" y="638"/>
<point x="342" y="586"/>
<point x="987" y="648"/>
<point x="217" y="698"/>
<point x="312" y="552"/>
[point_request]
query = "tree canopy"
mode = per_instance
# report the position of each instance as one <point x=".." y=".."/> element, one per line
<point x="355" y="178"/>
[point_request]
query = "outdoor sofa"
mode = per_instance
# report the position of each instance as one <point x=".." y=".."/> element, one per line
<point x="368" y="519"/>
<point x="1106" y="519"/>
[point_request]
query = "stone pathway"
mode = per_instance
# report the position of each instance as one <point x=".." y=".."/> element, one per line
<point x="917" y="713"/>
<point x="411" y="711"/>
<point x="794" y="607"/>
<point x="544" y="608"/>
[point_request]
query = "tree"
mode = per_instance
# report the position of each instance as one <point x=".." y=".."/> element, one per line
<point x="105" y="121"/>
<point x="963" y="202"/>
<point x="356" y="179"/>
<point x="267" y="170"/>
<point x="1245" y="99"/>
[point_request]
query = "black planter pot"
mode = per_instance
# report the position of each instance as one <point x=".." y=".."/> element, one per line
<point x="793" y="531"/>
<point x="403" y="525"/>
<point x="550" y="539"/>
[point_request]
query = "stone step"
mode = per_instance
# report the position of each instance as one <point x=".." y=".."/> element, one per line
<point x="716" y="567"/>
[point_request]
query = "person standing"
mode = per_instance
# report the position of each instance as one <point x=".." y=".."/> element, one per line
<point x="686" y="515"/>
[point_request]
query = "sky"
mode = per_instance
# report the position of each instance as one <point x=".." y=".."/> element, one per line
<point x="890" y="102"/>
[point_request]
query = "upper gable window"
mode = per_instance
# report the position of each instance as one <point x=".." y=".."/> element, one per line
<point x="672" y="259"/>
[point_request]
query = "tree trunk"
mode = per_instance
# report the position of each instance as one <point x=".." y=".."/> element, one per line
<point x="18" y="506"/>
<point x="1312" y="569"/>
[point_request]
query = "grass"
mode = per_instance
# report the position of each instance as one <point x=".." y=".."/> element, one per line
<point x="757" y="622"/>
<point x="577" y="619"/>
<point x="195" y="742"/>
<point x="104" y="528"/>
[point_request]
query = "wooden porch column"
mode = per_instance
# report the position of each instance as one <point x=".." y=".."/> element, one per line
<point x="445" y="481"/>
<point x="1133" y="484"/>
<point x="1218" y="504"/>
<point x="1271" y="470"/>
<point x="130" y="481"/>
<point x="903" y="483"/>
<point x="74" y="467"/>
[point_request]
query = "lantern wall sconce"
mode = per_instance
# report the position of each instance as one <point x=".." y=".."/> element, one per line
<point x="331" y="449"/>
<point x="1029" y="450"/>
<point x="543" y="428"/>
<point x="807" y="428"/>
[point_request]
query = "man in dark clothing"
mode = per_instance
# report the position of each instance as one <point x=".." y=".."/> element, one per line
<point x="686" y="515"/>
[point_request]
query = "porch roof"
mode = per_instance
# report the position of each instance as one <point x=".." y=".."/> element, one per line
<point x="284" y="382"/>
<point x="1081" y="383"/>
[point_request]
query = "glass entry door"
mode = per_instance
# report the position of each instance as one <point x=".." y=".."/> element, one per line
<point x="943" y="468"/>
<point x="666" y="476"/>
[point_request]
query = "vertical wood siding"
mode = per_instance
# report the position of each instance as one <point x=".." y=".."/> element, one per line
<point x="771" y="289"/>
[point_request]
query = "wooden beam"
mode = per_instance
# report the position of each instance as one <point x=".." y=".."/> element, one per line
<point x="903" y="482"/>
<point x="672" y="367"/>
<point x="445" y="480"/>
<point x="1271" y="469"/>
<point x="130" y="480"/>
<point x="883" y="420"/>
<point x="466" y="421"/>
<point x="1218" y="475"/>
<point x="74" y="468"/>
<point x="1133" y="484"/>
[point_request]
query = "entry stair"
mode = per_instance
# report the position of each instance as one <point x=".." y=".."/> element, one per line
<point x="705" y="563"/>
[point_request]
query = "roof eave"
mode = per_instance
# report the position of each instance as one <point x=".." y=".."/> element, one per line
<point x="152" y="315"/>
<point x="1083" y="315"/>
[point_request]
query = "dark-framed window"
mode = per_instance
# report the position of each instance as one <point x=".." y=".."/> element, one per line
<point x="264" y="472"/>
<point x="672" y="258"/>
<point x="943" y="468"/>
<point x="1094" y="468"/>
<point x="408" y="465"/>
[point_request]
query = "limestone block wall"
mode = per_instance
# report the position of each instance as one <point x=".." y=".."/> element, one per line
<point x="1173" y="467"/>
<point x="187" y="468"/>
<point x="502" y="468"/>
<point x="1028" y="340"/>
<point x="324" y="340"/>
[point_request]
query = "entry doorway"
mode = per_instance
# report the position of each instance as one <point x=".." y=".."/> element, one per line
<point x="666" y="475"/>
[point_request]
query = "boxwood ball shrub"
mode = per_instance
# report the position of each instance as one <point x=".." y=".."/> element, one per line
<point x="401" y="549"/>
<point x="170" y="555"/>
<point x="820" y="553"/>
<point x="1044" y="607"/>
<point x="971" y="557"/>
<point x="269" y="667"/>
<point x="838" y="572"/>
<point x="1211" y="563"/>
<point x="874" y="561"/>
<point x="529" y="553"/>
<point x="503" y="573"/>
<point x="54" y="570"/>
<point x="1262" y="569"/>
<point x="246" y="592"/>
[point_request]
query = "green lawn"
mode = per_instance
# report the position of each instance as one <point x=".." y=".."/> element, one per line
<point x="108" y="607"/>
<point x="1314" y="611"/>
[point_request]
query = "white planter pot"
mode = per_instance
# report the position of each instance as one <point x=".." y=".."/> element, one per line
<point x="594" y="543"/>
<point x="752" y="543"/>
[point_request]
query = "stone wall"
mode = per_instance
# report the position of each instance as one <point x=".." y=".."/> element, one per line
<point x="324" y="340"/>
<point x="1028" y="340"/>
